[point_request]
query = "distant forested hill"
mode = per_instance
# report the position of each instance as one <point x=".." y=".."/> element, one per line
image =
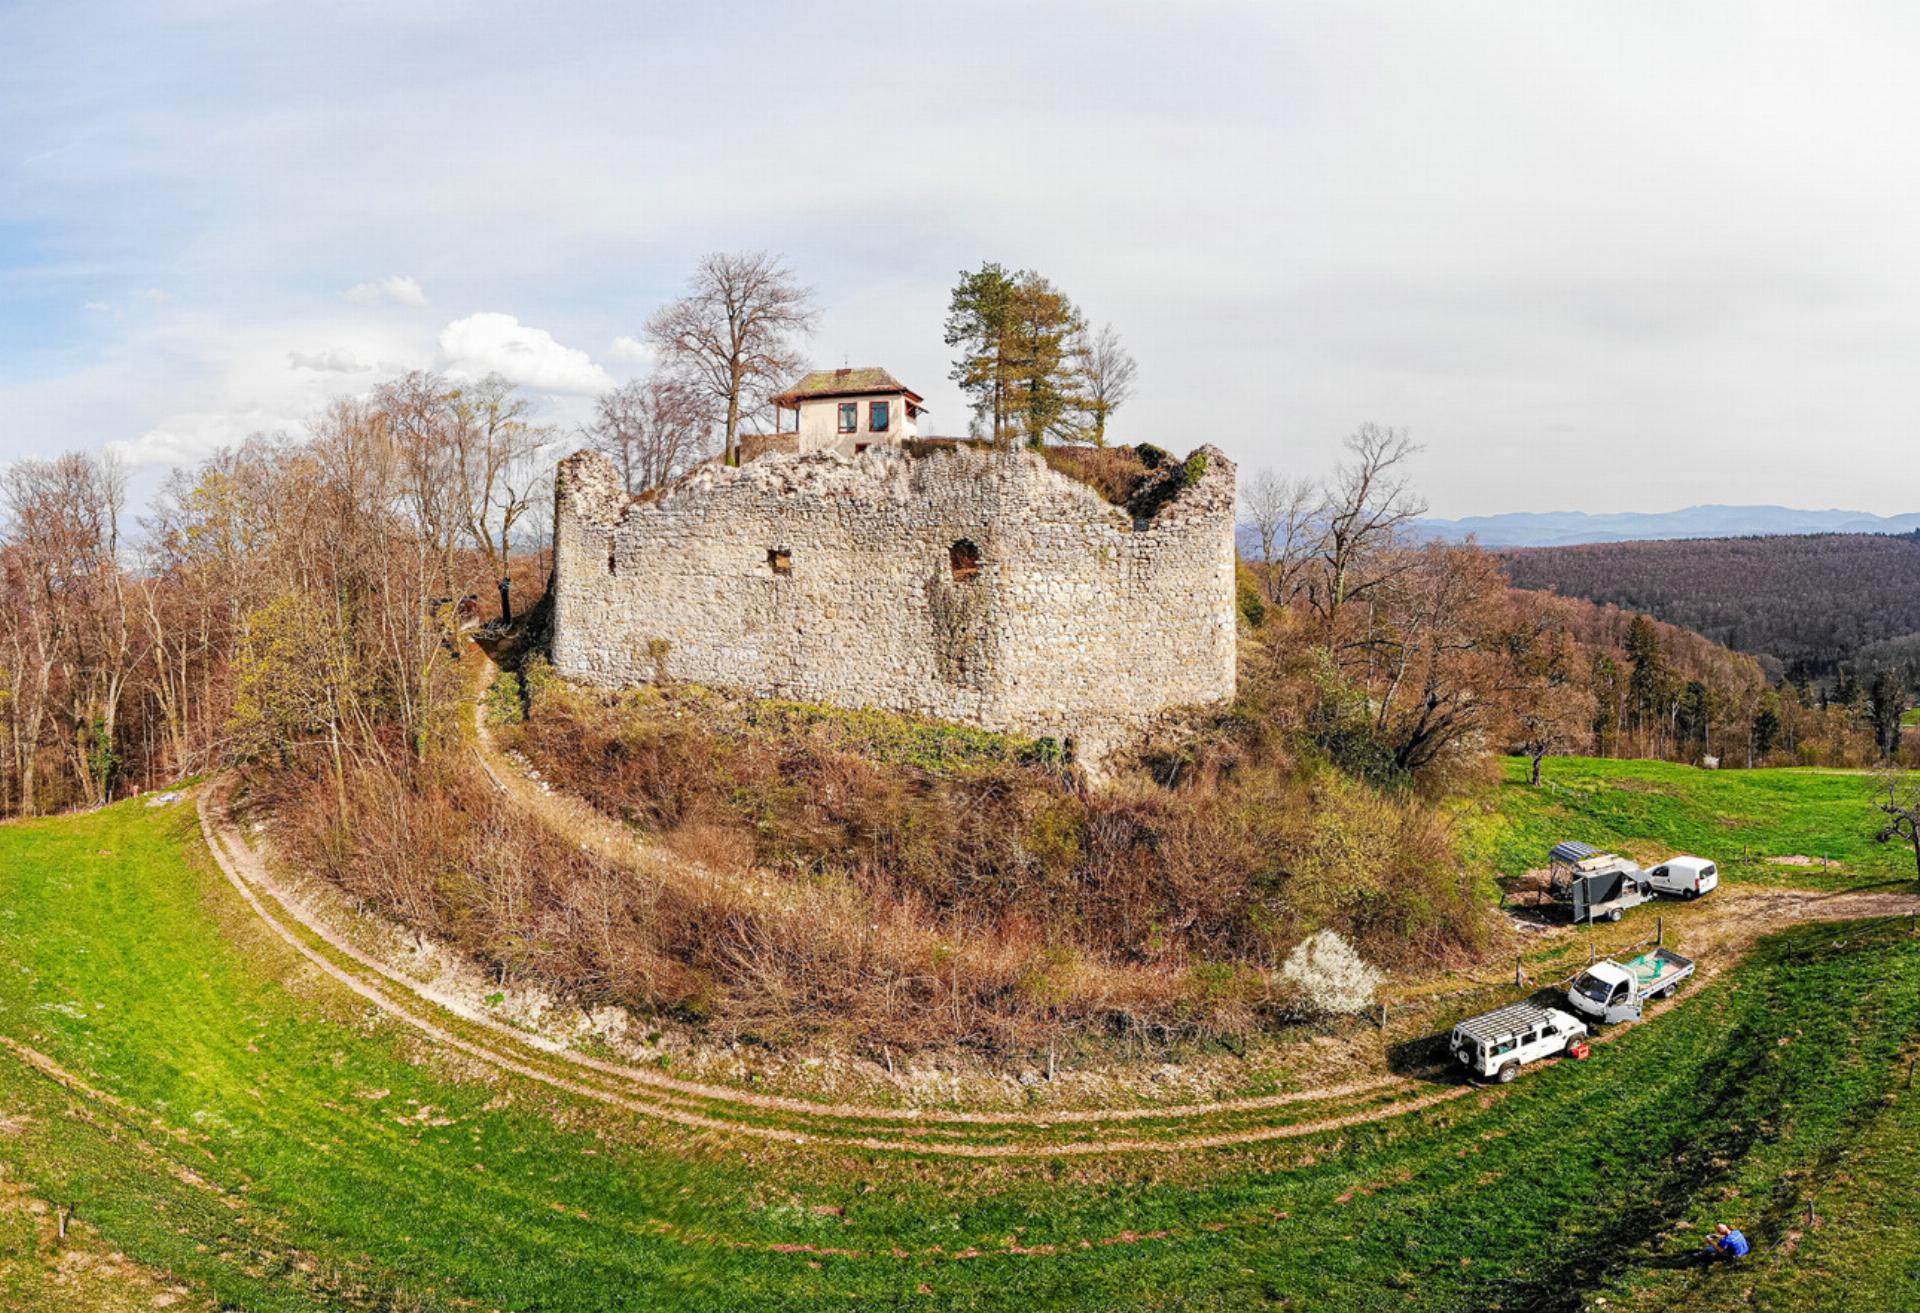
<point x="1815" y="603"/>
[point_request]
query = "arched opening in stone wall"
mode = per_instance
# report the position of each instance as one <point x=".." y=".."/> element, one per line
<point x="964" y="556"/>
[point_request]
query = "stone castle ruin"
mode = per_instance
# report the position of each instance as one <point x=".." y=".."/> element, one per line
<point x="948" y="579"/>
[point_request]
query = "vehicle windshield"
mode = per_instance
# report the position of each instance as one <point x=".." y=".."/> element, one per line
<point x="1592" y="988"/>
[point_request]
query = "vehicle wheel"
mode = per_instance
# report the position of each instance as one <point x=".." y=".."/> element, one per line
<point x="1691" y="894"/>
<point x="1614" y="915"/>
<point x="1507" y="1073"/>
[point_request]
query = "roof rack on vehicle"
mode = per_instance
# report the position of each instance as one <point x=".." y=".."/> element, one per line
<point x="1502" y="1021"/>
<point x="1572" y="852"/>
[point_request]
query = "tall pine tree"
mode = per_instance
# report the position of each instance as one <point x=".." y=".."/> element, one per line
<point x="1015" y="336"/>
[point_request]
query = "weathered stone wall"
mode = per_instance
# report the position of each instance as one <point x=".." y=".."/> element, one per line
<point x="755" y="445"/>
<point x="1080" y="622"/>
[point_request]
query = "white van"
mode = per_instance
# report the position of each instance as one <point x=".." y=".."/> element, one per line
<point x="1688" y="877"/>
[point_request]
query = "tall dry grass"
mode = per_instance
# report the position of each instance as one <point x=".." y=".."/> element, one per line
<point x="879" y="895"/>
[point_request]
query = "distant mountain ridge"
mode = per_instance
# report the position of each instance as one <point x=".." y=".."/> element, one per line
<point x="1567" y="528"/>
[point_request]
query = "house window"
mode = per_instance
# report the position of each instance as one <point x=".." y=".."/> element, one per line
<point x="965" y="559"/>
<point x="780" y="560"/>
<point x="877" y="414"/>
<point x="859" y="447"/>
<point x="849" y="416"/>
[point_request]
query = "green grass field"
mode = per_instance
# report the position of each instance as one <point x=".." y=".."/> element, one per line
<point x="233" y="1118"/>
<point x="1654" y="809"/>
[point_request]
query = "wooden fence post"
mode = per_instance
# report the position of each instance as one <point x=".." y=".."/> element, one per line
<point x="1659" y="930"/>
<point x="1517" y="978"/>
<point x="66" y="1215"/>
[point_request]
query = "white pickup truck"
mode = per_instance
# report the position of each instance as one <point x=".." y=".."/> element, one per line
<point x="1495" y="1045"/>
<point x="1612" y="990"/>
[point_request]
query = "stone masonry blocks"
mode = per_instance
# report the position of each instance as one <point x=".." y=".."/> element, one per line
<point x="827" y="578"/>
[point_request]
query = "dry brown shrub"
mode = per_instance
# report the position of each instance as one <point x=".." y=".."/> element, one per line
<point x="1116" y="473"/>
<point x="997" y="902"/>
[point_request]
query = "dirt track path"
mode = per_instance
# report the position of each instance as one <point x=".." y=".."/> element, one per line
<point x="441" y="1017"/>
<point x="707" y="1107"/>
<point x="801" y="1122"/>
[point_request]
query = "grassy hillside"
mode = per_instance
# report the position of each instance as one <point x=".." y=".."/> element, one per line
<point x="1654" y="809"/>
<point x="224" y="1114"/>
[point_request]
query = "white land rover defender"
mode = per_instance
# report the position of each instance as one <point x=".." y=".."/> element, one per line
<point x="1495" y="1045"/>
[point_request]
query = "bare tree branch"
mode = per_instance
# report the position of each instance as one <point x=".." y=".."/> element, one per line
<point x="732" y="335"/>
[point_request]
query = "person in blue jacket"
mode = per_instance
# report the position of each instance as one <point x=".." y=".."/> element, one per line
<point x="1728" y="1243"/>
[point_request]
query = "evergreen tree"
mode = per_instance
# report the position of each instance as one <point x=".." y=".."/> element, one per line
<point x="1647" y="683"/>
<point x="1696" y="716"/>
<point x="1015" y="333"/>
<point x="1606" y="697"/>
<point x="1886" y="701"/>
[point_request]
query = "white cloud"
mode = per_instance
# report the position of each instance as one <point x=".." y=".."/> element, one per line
<point x="189" y="438"/>
<point x="399" y="290"/>
<point x="493" y="343"/>
<point x="335" y="360"/>
<point x="631" y="351"/>
<point x="1567" y="249"/>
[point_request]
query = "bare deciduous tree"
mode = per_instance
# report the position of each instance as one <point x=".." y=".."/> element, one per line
<point x="732" y="335"/>
<point x="1551" y="711"/>
<point x="1280" y="511"/>
<point x="504" y="470"/>
<point x="76" y="643"/>
<point x="1368" y="504"/>
<point x="1107" y="372"/>
<point x="653" y="429"/>
<point x="416" y="412"/>
<point x="1902" y="808"/>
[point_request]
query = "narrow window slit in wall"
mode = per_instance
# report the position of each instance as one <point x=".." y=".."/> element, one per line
<point x="780" y="560"/>
<point x="610" y="558"/>
<point x="964" y="556"/>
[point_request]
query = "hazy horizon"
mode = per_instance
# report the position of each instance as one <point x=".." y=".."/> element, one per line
<point x="1629" y="257"/>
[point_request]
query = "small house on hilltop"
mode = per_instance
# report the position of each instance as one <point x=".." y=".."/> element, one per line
<point x="843" y="410"/>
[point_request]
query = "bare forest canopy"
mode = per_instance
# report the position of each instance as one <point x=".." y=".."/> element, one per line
<point x="1432" y="649"/>
<point x="1813" y="607"/>
<point x="286" y="601"/>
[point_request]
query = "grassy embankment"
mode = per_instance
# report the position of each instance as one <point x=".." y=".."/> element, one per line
<point x="238" y="1121"/>
<point x="1654" y="809"/>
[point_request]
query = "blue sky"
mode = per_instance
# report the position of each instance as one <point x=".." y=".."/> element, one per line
<point x="1595" y="257"/>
